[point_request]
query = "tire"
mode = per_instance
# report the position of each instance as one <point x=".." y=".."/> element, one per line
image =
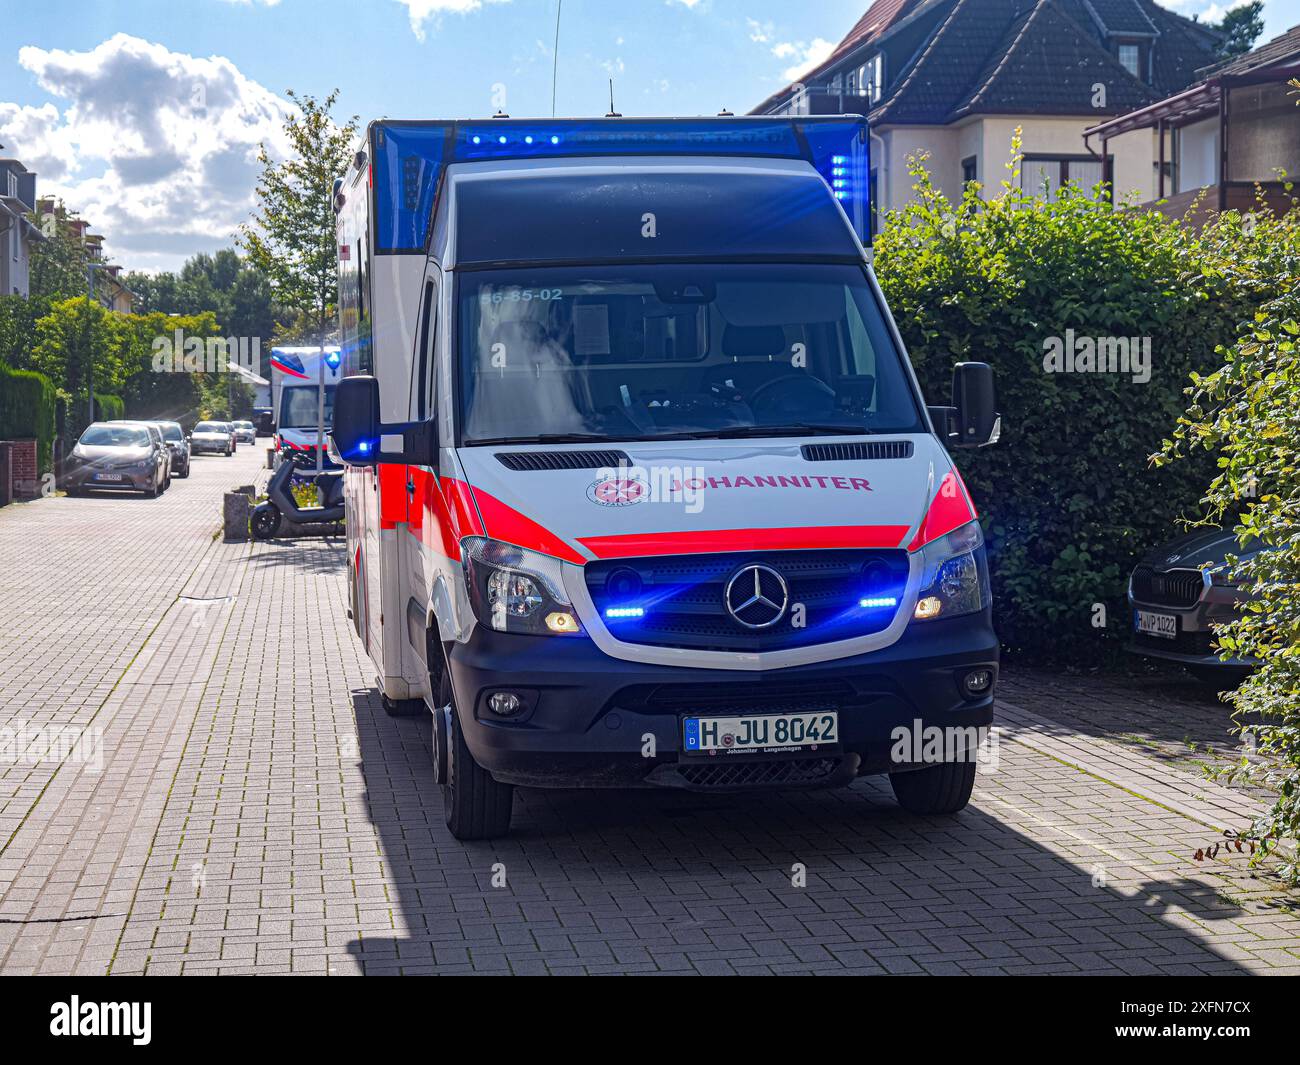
<point x="476" y="806"/>
<point x="227" y="453"/>
<point x="404" y="707"/>
<point x="153" y="491"/>
<point x="937" y="789"/>
<point x="264" y="523"/>
<point x="185" y="472"/>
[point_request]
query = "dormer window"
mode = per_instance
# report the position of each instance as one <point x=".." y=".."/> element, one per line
<point x="1130" y="57"/>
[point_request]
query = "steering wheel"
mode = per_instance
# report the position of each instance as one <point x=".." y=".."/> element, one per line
<point x="794" y="393"/>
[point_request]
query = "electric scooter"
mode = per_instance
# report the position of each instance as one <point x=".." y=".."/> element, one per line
<point x="281" y="506"/>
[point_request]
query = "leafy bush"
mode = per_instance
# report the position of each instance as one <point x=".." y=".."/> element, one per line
<point x="27" y="410"/>
<point x="109" y="407"/>
<point x="1068" y="498"/>
<point x="1248" y="413"/>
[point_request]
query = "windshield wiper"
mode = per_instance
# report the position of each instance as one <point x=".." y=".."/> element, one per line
<point x="545" y="438"/>
<point x="809" y="429"/>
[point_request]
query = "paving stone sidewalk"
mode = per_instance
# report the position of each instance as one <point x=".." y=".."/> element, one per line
<point x="255" y="812"/>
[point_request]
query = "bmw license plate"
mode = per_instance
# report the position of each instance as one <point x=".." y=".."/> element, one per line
<point x="758" y="734"/>
<point x="1150" y="623"/>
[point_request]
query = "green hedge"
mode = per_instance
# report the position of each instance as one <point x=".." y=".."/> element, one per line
<point x="27" y="406"/>
<point x="1068" y="499"/>
<point x="109" y="407"/>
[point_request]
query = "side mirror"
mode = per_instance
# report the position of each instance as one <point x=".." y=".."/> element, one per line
<point x="361" y="439"/>
<point x="972" y="420"/>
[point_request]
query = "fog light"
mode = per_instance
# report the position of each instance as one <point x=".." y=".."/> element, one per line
<point x="505" y="704"/>
<point x="927" y="608"/>
<point x="978" y="681"/>
<point x="562" y="621"/>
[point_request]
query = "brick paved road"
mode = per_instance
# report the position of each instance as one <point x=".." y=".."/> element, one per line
<point x="253" y="814"/>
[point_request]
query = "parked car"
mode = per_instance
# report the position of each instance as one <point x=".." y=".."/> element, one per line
<point x="245" y="432"/>
<point x="122" y="455"/>
<point x="265" y="421"/>
<point x="1178" y="592"/>
<point x="174" y="437"/>
<point x="214" y="438"/>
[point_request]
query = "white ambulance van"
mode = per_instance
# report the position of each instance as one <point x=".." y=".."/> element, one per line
<point x="641" y="487"/>
<point x="303" y="380"/>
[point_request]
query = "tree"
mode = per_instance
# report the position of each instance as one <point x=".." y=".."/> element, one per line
<point x="1241" y="27"/>
<point x="291" y="236"/>
<point x="58" y="265"/>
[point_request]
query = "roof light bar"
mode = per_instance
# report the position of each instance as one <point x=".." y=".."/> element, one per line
<point x="409" y="157"/>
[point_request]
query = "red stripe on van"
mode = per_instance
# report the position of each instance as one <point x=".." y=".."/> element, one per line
<point x="726" y="540"/>
<point x="503" y="522"/>
<point x="950" y="509"/>
<point x="392" y="495"/>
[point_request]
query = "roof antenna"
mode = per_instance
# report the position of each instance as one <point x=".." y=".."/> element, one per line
<point x="555" y="54"/>
<point x="612" y="113"/>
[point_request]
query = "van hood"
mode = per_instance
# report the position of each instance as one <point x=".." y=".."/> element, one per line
<point x="682" y="497"/>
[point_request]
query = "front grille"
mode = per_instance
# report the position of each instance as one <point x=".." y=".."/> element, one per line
<point x="1175" y="588"/>
<point x="525" y="461"/>
<point x="683" y="597"/>
<point x="741" y="771"/>
<point x="753" y="697"/>
<point x="857" y="452"/>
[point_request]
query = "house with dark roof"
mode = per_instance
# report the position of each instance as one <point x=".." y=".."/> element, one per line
<point x="1226" y="139"/>
<point x="956" y="78"/>
<point x="18" y="229"/>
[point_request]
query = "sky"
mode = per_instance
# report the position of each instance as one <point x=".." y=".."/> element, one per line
<point x="146" y="115"/>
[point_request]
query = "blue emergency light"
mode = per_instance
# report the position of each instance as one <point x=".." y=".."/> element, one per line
<point x="333" y="358"/>
<point x="409" y="156"/>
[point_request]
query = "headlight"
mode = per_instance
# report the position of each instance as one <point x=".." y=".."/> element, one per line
<point x="516" y="590"/>
<point x="954" y="575"/>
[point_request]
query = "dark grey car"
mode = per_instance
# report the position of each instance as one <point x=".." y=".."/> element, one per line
<point x="118" y="455"/>
<point x="174" y="437"/>
<point x="1178" y="593"/>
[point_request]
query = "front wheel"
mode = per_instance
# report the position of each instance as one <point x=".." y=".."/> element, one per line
<point x="937" y="789"/>
<point x="476" y="806"/>
<point x="265" y="523"/>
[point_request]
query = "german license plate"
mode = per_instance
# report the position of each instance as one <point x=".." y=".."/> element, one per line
<point x="1150" y="623"/>
<point x="770" y="733"/>
<point x="108" y="476"/>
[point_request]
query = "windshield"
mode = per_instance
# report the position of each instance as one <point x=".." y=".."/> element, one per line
<point x="298" y="407"/>
<point x="243" y="425"/>
<point x="115" y="436"/>
<point x="212" y="427"/>
<point x="646" y="352"/>
<point x="171" y="431"/>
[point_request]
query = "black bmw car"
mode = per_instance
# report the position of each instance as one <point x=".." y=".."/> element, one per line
<point x="1178" y="593"/>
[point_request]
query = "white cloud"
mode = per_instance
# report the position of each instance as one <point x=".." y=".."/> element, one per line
<point x="1206" y="10"/>
<point x="806" y="55"/>
<point x="156" y="149"/>
<point x="421" y="11"/>
<point x="252" y="3"/>
<point x="692" y="4"/>
<point x="759" y="32"/>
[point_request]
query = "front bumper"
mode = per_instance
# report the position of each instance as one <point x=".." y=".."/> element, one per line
<point x="208" y="446"/>
<point x="86" y="477"/>
<point x="1193" y="643"/>
<point x="589" y="717"/>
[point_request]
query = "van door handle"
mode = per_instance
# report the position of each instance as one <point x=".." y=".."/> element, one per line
<point x="410" y="486"/>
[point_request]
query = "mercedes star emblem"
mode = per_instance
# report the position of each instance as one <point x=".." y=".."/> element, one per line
<point x="757" y="597"/>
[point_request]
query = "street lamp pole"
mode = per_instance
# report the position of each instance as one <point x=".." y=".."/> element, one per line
<point x="90" y="358"/>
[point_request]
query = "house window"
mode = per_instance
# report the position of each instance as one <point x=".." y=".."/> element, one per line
<point x="969" y="169"/>
<point x="1043" y="175"/>
<point x="1130" y="57"/>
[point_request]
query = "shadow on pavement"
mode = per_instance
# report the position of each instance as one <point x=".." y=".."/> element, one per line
<point x="670" y="881"/>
